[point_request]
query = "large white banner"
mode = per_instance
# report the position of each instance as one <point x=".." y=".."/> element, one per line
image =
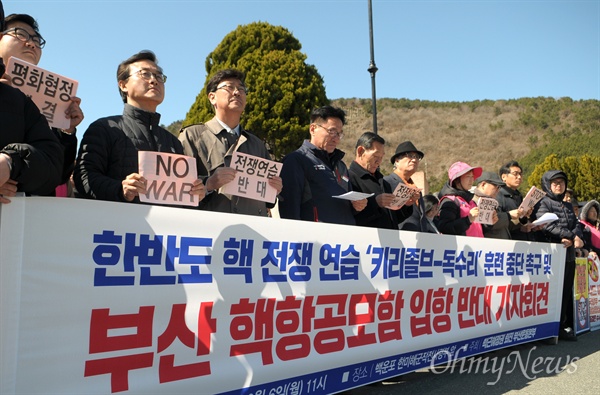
<point x="101" y="297"/>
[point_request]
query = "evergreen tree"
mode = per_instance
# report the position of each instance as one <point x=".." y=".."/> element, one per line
<point x="551" y="162"/>
<point x="588" y="182"/>
<point x="582" y="172"/>
<point x="283" y="88"/>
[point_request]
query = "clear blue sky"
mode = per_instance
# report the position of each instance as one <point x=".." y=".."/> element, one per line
<point x="428" y="50"/>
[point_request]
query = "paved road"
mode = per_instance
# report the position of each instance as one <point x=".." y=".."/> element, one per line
<point x="545" y="369"/>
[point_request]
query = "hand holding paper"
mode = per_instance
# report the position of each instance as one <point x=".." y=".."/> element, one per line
<point x="49" y="91"/>
<point x="405" y="194"/>
<point x="255" y="178"/>
<point x="533" y="196"/>
<point x="353" y="195"/>
<point x="545" y="219"/>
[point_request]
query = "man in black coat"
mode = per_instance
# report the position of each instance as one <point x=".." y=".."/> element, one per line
<point x="366" y="177"/>
<point x="406" y="161"/>
<point x="566" y="230"/>
<point x="31" y="158"/>
<point x="509" y="198"/>
<point x="21" y="39"/>
<point x="107" y="167"/>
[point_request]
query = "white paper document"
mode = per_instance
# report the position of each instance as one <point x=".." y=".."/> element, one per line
<point x="354" y="196"/>
<point x="545" y="219"/>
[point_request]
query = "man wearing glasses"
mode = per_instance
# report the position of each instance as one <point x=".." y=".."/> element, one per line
<point x="30" y="155"/>
<point x="214" y="142"/>
<point x="21" y="39"/>
<point x="315" y="173"/>
<point x="406" y="163"/>
<point x="509" y="199"/>
<point x="107" y="165"/>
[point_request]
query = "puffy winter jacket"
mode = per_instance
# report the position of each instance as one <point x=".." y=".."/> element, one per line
<point x="37" y="156"/>
<point x="109" y="152"/>
<point x="567" y="226"/>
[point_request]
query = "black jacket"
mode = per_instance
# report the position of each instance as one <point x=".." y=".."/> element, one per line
<point x="450" y="222"/>
<point x="373" y="215"/>
<point x="37" y="156"/>
<point x="69" y="143"/>
<point x="567" y="226"/>
<point x="109" y="152"/>
<point x="510" y="199"/>
<point x="311" y="177"/>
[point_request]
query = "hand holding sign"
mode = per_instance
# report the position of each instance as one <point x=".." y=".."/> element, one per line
<point x="533" y="196"/>
<point x="384" y="199"/>
<point x="49" y="91"/>
<point x="74" y="114"/>
<point x="220" y="177"/>
<point x="133" y="185"/>
<point x="253" y="178"/>
<point x="405" y="195"/>
<point x="487" y="211"/>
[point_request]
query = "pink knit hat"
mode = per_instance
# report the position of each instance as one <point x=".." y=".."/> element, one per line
<point x="459" y="168"/>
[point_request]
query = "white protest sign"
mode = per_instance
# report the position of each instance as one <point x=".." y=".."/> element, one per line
<point x="533" y="196"/>
<point x="252" y="178"/>
<point x="49" y="91"/>
<point x="487" y="207"/>
<point x="178" y="301"/>
<point x="170" y="178"/>
<point x="402" y="193"/>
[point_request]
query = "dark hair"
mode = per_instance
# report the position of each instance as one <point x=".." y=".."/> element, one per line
<point x="430" y="202"/>
<point x="328" y="112"/>
<point x="506" y="168"/>
<point x="367" y="139"/>
<point x="221" y="75"/>
<point x="24" y="18"/>
<point x="1" y="17"/>
<point x="123" y="69"/>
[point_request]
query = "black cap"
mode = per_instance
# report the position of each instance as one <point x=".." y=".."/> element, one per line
<point x="404" y="147"/>
<point x="490" y="178"/>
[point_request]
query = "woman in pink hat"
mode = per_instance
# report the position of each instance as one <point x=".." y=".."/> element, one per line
<point x="458" y="211"/>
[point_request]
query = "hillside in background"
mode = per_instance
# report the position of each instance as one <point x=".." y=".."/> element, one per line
<point x="482" y="133"/>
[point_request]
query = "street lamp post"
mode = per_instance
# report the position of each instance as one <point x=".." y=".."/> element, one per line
<point x="372" y="70"/>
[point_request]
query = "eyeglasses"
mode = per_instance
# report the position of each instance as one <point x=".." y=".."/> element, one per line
<point x="516" y="173"/>
<point x="147" y="75"/>
<point x="332" y="133"/>
<point x="24" y="36"/>
<point x="411" y="156"/>
<point x="232" y="88"/>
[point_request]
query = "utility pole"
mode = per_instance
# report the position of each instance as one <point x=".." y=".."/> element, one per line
<point x="372" y="70"/>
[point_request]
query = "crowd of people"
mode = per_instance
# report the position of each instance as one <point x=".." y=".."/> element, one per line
<point x="39" y="160"/>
